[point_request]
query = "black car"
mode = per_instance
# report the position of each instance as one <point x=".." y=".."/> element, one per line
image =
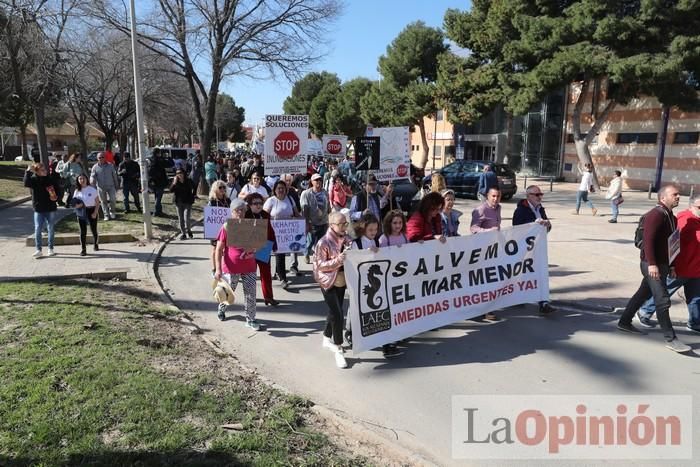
<point x="463" y="177"/>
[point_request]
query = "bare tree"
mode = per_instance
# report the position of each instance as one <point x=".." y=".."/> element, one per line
<point x="34" y="35"/>
<point x="209" y="40"/>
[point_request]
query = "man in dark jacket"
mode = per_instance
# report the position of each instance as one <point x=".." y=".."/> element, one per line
<point x="158" y="181"/>
<point x="130" y="172"/>
<point x="44" y="197"/>
<point x="530" y="210"/>
<point x="659" y="224"/>
<point x="487" y="180"/>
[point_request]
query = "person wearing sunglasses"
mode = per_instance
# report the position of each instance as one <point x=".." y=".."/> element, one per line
<point x="531" y="210"/>
<point x="255" y="211"/>
<point x="254" y="186"/>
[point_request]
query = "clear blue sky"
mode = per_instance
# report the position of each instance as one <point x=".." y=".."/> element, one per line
<point x="358" y="38"/>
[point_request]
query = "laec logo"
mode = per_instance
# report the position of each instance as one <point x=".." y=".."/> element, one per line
<point x="373" y="297"/>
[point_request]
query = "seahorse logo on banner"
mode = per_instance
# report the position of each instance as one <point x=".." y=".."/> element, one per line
<point x="373" y="297"/>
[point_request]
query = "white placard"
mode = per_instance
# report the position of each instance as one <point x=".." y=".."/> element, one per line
<point x="286" y="137"/>
<point x="335" y="145"/>
<point x="214" y="218"/>
<point x="399" y="292"/>
<point x="395" y="153"/>
<point x="290" y="235"/>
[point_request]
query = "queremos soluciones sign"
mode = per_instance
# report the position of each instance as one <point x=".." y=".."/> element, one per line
<point x="285" y="139"/>
<point x="399" y="292"/>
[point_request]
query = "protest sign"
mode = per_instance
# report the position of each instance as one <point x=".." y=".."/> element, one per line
<point x="334" y="145"/>
<point x="367" y="153"/>
<point x="285" y="139"/>
<point x="290" y="235"/>
<point x="400" y="292"/>
<point x="249" y="234"/>
<point x="214" y="218"/>
<point x="395" y="149"/>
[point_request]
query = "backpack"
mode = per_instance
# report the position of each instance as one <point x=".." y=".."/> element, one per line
<point x="639" y="231"/>
<point x="358" y="242"/>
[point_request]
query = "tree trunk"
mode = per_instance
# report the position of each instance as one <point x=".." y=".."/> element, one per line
<point x="424" y="142"/>
<point x="39" y="113"/>
<point x="109" y="140"/>
<point x="82" y="136"/>
<point x="581" y="141"/>
<point x="23" y="141"/>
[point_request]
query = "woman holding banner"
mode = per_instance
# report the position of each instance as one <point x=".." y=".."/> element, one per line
<point x="218" y="199"/>
<point x="329" y="274"/>
<point x="255" y="211"/>
<point x="236" y="264"/>
<point x="280" y="207"/>
<point x="426" y="222"/>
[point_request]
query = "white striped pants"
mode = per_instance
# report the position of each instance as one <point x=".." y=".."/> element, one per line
<point x="249" y="290"/>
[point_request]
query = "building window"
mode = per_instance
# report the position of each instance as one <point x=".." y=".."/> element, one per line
<point x="450" y="150"/>
<point x="686" y="137"/>
<point x="440" y="115"/>
<point x="639" y="138"/>
<point x="570" y="138"/>
<point x="438" y="152"/>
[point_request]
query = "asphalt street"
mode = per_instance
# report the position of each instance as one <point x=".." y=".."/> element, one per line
<point x="593" y="265"/>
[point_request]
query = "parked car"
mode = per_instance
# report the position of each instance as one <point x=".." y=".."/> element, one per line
<point x="462" y="177"/>
<point x="406" y="194"/>
<point x="92" y="157"/>
<point x="169" y="155"/>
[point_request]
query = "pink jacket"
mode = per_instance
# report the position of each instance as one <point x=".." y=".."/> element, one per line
<point x="327" y="259"/>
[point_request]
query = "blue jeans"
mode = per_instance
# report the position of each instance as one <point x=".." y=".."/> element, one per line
<point x="582" y="196"/>
<point x="158" y="193"/>
<point x="691" y="287"/>
<point x="615" y="209"/>
<point x="39" y="219"/>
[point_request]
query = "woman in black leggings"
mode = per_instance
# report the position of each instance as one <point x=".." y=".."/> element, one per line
<point x="87" y="204"/>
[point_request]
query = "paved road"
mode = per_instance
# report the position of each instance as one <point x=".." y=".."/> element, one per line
<point x="575" y="351"/>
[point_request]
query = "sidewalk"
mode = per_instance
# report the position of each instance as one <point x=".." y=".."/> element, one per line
<point x="136" y="258"/>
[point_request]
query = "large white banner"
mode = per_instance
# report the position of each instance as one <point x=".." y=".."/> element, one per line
<point x="290" y="235"/>
<point x="214" y="218"/>
<point x="335" y="145"/>
<point x="399" y="292"/>
<point x="394" y="153"/>
<point x="286" y="137"/>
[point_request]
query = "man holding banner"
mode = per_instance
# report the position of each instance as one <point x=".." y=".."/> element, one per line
<point x="531" y="210"/>
<point x="487" y="218"/>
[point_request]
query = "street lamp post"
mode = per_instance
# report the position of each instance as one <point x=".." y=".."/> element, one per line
<point x="147" y="228"/>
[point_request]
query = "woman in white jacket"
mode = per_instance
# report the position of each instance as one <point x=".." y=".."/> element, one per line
<point x="614" y="194"/>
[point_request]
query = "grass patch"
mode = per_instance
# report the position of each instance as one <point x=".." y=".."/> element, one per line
<point x="11" y="175"/>
<point x="132" y="222"/>
<point x="94" y="373"/>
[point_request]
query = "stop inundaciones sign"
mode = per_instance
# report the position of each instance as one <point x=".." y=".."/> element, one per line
<point x="334" y="146"/>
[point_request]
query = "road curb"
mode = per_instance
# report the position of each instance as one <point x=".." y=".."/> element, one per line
<point x="14" y="202"/>
<point x="362" y="435"/>
<point x="99" y="275"/>
<point x="73" y="239"/>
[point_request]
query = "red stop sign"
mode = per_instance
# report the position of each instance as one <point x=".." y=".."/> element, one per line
<point x="402" y="170"/>
<point x="333" y="146"/>
<point x="287" y="145"/>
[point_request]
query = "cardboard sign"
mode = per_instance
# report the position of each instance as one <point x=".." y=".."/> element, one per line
<point x="249" y="234"/>
<point x="286" y="137"/>
<point x="396" y="293"/>
<point x="367" y="153"/>
<point x="214" y="218"/>
<point x="290" y="235"/>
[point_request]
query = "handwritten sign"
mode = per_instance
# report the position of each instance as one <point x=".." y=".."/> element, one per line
<point x="249" y="234"/>
<point x="214" y="218"/>
<point x="290" y="235"/>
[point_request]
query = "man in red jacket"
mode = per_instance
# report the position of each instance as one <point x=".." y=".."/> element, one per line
<point x="687" y="266"/>
<point x="659" y="224"/>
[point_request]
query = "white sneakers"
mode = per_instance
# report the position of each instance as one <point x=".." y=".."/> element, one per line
<point x="37" y="254"/>
<point x="51" y="252"/>
<point x="340" y="359"/>
<point x="328" y="344"/>
<point x="337" y="351"/>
